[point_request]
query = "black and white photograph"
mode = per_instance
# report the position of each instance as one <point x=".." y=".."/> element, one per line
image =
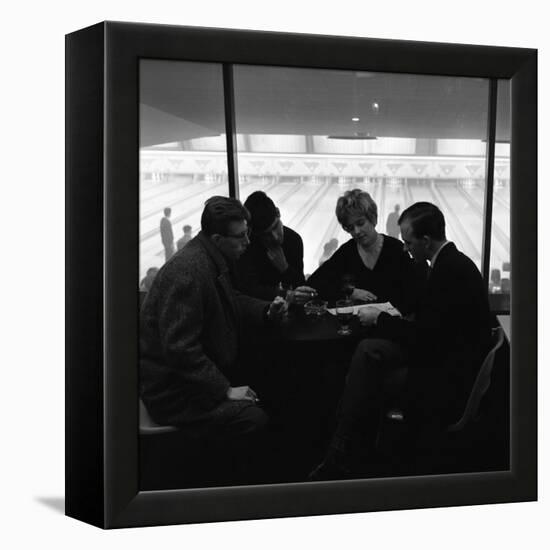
<point x="304" y="333"/>
<point x="247" y="358"/>
<point x="295" y="275"/>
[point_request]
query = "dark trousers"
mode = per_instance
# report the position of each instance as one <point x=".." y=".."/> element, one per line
<point x="225" y="452"/>
<point x="377" y="372"/>
<point x="168" y="251"/>
<point x="246" y="423"/>
<point x="236" y="445"/>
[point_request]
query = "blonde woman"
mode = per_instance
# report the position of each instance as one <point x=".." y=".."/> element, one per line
<point x="370" y="266"/>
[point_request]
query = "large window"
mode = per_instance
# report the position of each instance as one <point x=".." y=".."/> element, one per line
<point x="403" y="138"/>
<point x="305" y="136"/>
<point x="182" y="149"/>
<point x="499" y="284"/>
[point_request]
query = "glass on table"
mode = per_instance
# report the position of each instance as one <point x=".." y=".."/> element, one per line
<point x="344" y="315"/>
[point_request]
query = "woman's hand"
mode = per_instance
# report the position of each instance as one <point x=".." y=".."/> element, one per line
<point x="363" y="295"/>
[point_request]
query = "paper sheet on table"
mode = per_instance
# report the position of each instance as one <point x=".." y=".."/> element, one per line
<point x="386" y="307"/>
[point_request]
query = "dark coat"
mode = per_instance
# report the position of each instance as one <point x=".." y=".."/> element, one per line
<point x="449" y="337"/>
<point x="255" y="274"/>
<point x="166" y="233"/>
<point x="395" y="277"/>
<point x="190" y="325"/>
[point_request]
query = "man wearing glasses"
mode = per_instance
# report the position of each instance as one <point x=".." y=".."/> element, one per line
<point x="190" y="325"/>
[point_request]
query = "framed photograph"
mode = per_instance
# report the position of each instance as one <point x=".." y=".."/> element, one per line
<point x="162" y="118"/>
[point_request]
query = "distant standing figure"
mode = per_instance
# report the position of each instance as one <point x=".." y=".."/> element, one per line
<point x="187" y="236"/>
<point x="392" y="227"/>
<point x="166" y="234"/>
<point x="147" y="281"/>
<point x="328" y="250"/>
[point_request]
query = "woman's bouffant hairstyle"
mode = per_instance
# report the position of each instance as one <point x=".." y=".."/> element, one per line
<point x="219" y="212"/>
<point x="356" y="203"/>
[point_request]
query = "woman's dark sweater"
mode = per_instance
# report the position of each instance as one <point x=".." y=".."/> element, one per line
<point x="395" y="277"/>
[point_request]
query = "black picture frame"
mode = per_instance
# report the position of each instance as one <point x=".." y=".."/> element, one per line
<point x="102" y="168"/>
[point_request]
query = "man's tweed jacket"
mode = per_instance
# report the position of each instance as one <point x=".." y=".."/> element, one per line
<point x="190" y="326"/>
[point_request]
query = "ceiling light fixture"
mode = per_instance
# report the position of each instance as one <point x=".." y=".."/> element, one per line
<point x="356" y="135"/>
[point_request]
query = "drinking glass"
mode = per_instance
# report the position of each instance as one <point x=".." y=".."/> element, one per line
<point x="344" y="314"/>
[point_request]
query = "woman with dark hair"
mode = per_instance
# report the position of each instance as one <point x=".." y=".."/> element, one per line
<point x="370" y="267"/>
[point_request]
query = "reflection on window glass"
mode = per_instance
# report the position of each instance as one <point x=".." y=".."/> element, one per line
<point x="499" y="283"/>
<point x="182" y="157"/>
<point x="403" y="138"/>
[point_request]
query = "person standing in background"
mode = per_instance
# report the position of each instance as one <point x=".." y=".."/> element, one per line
<point x="328" y="250"/>
<point x="166" y="234"/>
<point x="147" y="281"/>
<point x="187" y="236"/>
<point x="392" y="227"/>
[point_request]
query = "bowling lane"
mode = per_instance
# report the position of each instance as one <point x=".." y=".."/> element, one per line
<point x="467" y="218"/>
<point x="188" y="210"/>
<point x="454" y="226"/>
<point x="500" y="242"/>
<point x="313" y="228"/>
<point x="317" y="224"/>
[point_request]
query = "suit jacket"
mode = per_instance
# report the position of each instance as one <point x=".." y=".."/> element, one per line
<point x="450" y="336"/>
<point x="255" y="274"/>
<point x="190" y="325"/>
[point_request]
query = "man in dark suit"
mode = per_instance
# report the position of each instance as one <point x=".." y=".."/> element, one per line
<point x="440" y="350"/>
<point x="275" y="258"/>
<point x="392" y="223"/>
<point x="190" y="326"/>
<point x="166" y="234"/>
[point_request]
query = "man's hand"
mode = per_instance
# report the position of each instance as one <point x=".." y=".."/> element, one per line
<point x="368" y="316"/>
<point x="277" y="257"/>
<point x="242" y="393"/>
<point x="363" y="295"/>
<point x="277" y="309"/>
<point x="303" y="294"/>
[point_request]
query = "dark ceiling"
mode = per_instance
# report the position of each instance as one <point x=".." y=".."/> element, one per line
<point x="183" y="100"/>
